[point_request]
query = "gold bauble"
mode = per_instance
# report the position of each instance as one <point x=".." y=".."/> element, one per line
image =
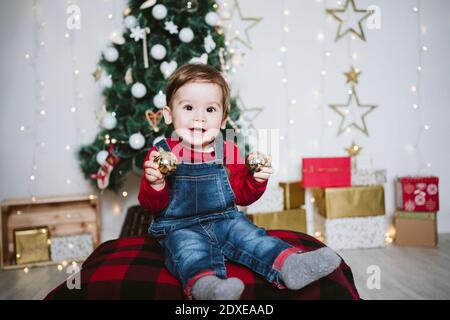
<point x="167" y="162"/>
<point x="255" y="161"/>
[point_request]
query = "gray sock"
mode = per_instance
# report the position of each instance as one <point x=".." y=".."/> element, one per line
<point x="214" y="288"/>
<point x="299" y="270"/>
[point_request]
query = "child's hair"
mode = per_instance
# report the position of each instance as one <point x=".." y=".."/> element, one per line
<point x="198" y="73"/>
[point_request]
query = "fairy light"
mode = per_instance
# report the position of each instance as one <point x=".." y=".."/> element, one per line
<point x="320" y="93"/>
<point x="290" y="102"/>
<point x="417" y="107"/>
<point x="77" y="96"/>
<point x="39" y="88"/>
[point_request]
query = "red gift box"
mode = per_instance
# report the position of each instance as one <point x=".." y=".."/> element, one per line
<point x="326" y="172"/>
<point x="418" y="193"/>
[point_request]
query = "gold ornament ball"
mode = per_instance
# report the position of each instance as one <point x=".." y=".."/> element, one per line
<point x="255" y="161"/>
<point x="167" y="162"/>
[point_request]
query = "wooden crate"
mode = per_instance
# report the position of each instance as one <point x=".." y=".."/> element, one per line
<point x="64" y="216"/>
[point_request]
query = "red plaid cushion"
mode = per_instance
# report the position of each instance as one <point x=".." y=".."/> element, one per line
<point x="133" y="268"/>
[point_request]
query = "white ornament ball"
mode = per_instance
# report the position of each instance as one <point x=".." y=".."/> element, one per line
<point x="137" y="141"/>
<point x="158" y="52"/>
<point x="130" y="22"/>
<point x="109" y="122"/>
<point x="111" y="54"/>
<point x="105" y="82"/>
<point x="212" y="19"/>
<point x="159" y="11"/>
<point x="186" y="35"/>
<point x="138" y="90"/>
<point x="159" y="100"/>
<point x="101" y="157"/>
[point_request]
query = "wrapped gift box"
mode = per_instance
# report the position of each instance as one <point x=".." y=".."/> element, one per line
<point x="294" y="194"/>
<point x="418" y="193"/>
<point x="326" y="172"/>
<point x="351" y="233"/>
<point x="364" y="201"/>
<point x="31" y="245"/>
<point x="75" y="247"/>
<point x="416" y="229"/>
<point x="367" y="177"/>
<point x="271" y="201"/>
<point x="294" y="219"/>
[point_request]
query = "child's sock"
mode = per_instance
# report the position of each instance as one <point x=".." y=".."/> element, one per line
<point x="299" y="270"/>
<point x="214" y="288"/>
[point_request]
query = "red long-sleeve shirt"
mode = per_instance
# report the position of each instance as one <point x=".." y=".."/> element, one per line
<point x="246" y="189"/>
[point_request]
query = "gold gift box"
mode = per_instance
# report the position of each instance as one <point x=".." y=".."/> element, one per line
<point x="294" y="220"/>
<point x="349" y="202"/>
<point x="294" y="194"/>
<point x="31" y="245"/>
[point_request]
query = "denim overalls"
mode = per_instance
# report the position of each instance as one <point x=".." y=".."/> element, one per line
<point x="202" y="225"/>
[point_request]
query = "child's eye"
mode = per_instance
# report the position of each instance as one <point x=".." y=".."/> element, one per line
<point x="210" y="109"/>
<point x="187" y="107"/>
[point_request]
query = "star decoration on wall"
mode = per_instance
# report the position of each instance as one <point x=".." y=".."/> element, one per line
<point x="248" y="115"/>
<point x="353" y="150"/>
<point x="238" y="26"/>
<point x="352" y="75"/>
<point x="353" y="113"/>
<point x="350" y="20"/>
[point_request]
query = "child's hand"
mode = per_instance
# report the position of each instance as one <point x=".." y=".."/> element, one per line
<point x="263" y="175"/>
<point x="152" y="174"/>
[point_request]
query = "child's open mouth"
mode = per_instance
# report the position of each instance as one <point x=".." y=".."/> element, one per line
<point x="197" y="130"/>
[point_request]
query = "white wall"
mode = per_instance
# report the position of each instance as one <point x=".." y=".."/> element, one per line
<point x="388" y="61"/>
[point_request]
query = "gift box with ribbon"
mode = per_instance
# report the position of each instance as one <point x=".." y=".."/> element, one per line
<point x="326" y="172"/>
<point x="418" y="193"/>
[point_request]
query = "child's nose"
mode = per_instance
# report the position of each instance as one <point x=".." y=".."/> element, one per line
<point x="200" y="116"/>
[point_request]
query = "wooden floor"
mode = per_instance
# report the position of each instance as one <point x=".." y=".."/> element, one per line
<point x="405" y="273"/>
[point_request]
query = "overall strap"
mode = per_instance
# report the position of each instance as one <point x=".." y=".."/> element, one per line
<point x="218" y="149"/>
<point x="163" y="144"/>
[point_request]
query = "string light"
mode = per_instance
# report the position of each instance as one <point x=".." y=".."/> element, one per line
<point x="416" y="89"/>
<point x="290" y="102"/>
<point x="326" y="53"/>
<point x="39" y="86"/>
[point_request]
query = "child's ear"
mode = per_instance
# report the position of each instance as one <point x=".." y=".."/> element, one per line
<point x="167" y="114"/>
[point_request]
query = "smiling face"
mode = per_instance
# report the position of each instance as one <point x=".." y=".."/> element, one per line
<point x="196" y="112"/>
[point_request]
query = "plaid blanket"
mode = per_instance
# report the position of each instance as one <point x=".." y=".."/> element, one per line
<point x="133" y="268"/>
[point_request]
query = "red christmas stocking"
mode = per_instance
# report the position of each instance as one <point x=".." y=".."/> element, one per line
<point x="106" y="168"/>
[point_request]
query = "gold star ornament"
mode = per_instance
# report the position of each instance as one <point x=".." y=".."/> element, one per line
<point x="97" y="74"/>
<point x="352" y="75"/>
<point x="353" y="113"/>
<point x="238" y="26"/>
<point x="350" y="20"/>
<point x="353" y="150"/>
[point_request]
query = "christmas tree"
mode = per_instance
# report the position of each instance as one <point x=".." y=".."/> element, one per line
<point x="133" y="70"/>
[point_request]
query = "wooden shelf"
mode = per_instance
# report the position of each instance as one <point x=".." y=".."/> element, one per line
<point x="64" y="216"/>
